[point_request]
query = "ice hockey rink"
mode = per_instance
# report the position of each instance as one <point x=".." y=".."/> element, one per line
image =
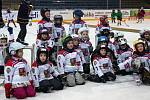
<point x="124" y="88"/>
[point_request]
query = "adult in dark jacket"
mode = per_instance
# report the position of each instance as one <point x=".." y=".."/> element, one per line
<point x="1" y="19"/>
<point x="23" y="19"/>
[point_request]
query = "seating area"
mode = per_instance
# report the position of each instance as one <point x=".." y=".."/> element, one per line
<point x="78" y="4"/>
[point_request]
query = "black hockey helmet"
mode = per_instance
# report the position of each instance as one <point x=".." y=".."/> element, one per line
<point x="39" y="51"/>
<point x="78" y="13"/>
<point x="58" y="17"/>
<point x="66" y="40"/>
<point x="43" y="10"/>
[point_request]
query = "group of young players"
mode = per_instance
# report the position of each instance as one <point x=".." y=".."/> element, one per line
<point x="65" y="59"/>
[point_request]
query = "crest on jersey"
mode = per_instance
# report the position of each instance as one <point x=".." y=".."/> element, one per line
<point x="22" y="72"/>
<point x="8" y="70"/>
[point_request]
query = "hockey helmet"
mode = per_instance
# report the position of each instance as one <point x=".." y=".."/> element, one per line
<point x="122" y="41"/>
<point x="83" y="29"/>
<point x="14" y="47"/>
<point x="43" y="10"/>
<point x="78" y="13"/>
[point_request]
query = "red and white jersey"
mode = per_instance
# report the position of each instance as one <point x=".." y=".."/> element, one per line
<point x="46" y="44"/>
<point x="59" y="33"/>
<point x="76" y="25"/>
<point x="45" y="24"/>
<point x="17" y="72"/>
<point x="43" y="72"/>
<point x="86" y="47"/>
<point x="124" y="55"/>
<point x="116" y="44"/>
<point x="69" y="62"/>
<point x="79" y="51"/>
<point x="102" y="65"/>
<point x="145" y="60"/>
<point x="113" y="48"/>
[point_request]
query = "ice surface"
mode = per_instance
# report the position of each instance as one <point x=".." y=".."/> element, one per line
<point x="123" y="89"/>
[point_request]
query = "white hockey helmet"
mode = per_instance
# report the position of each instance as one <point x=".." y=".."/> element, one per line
<point x="14" y="47"/>
<point x="75" y="36"/>
<point x="83" y="29"/>
<point x="122" y="41"/>
<point x="118" y="34"/>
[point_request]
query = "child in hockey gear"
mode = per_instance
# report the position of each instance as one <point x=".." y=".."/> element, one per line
<point x="59" y="30"/>
<point x="10" y="17"/>
<point x="139" y="17"/>
<point x="18" y="79"/>
<point x="103" y="27"/>
<point x="3" y="46"/>
<point x="103" y="22"/>
<point x="102" y="66"/>
<point x="45" y="21"/>
<point x="124" y="52"/>
<point x="58" y="33"/>
<point x="9" y="32"/>
<point x="69" y="64"/>
<point x="86" y="47"/>
<point x="23" y="19"/>
<point x="145" y="34"/>
<point x="119" y="17"/>
<point x="44" y="39"/>
<point x="76" y="43"/>
<point x="103" y="31"/>
<point x="77" y="23"/>
<point x="117" y="36"/>
<point x="141" y="62"/>
<point x="113" y="16"/>
<point x="45" y="76"/>
<point x="104" y="40"/>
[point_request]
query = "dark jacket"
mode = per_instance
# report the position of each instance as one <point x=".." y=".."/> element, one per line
<point x="23" y="13"/>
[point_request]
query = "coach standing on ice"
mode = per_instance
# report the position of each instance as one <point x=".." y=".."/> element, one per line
<point x="23" y="19"/>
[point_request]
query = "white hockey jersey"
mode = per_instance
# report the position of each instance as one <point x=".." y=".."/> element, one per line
<point x="5" y="31"/>
<point x="43" y="72"/>
<point x="59" y="33"/>
<point x="17" y="72"/>
<point x="10" y="16"/>
<point x="145" y="60"/>
<point x="76" y="25"/>
<point x="45" y="24"/>
<point x="79" y="51"/>
<point x="124" y="55"/>
<point x="113" y="48"/>
<point x="87" y="48"/>
<point x="102" y="65"/>
<point x="46" y="44"/>
<point x="68" y="62"/>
